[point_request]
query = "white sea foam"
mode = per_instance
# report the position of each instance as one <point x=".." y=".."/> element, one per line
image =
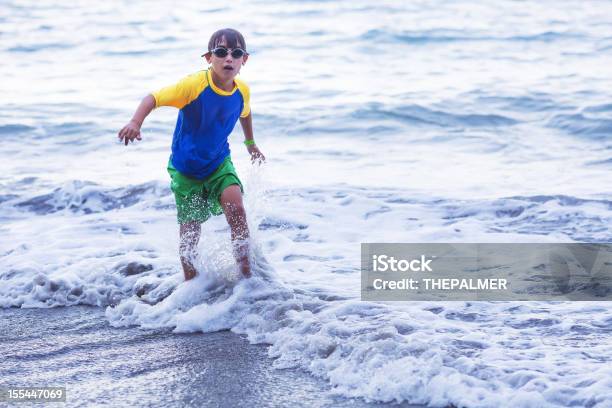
<point x="472" y="354"/>
<point x="477" y="354"/>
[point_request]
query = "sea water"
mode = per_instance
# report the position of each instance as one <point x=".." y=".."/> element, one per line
<point x="464" y="121"/>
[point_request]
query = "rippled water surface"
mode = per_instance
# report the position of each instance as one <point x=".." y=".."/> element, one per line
<point x="464" y="121"/>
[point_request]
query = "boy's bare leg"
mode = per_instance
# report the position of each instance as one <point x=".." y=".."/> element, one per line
<point x="189" y="235"/>
<point x="231" y="201"/>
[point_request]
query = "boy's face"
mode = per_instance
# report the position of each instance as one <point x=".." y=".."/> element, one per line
<point x="228" y="67"/>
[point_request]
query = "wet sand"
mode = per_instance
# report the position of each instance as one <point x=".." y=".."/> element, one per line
<point x="76" y="348"/>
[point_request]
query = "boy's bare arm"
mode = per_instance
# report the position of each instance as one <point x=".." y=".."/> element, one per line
<point x="247" y="129"/>
<point x="131" y="131"/>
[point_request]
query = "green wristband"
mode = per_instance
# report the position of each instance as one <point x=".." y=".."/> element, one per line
<point x="249" y="142"/>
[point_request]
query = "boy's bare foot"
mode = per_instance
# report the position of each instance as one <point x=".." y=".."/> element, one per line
<point x="189" y="237"/>
<point x="245" y="267"/>
<point x="188" y="269"/>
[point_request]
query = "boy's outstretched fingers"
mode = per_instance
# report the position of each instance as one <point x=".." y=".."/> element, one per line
<point x="256" y="155"/>
<point x="129" y="133"/>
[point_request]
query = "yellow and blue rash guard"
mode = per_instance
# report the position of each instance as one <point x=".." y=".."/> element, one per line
<point x="206" y="118"/>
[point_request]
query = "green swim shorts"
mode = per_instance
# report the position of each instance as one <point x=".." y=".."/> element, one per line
<point x="198" y="200"/>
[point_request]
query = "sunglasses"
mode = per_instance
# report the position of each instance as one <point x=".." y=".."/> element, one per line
<point x="222" y="52"/>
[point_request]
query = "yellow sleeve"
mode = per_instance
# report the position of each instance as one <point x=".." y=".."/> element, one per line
<point x="246" y="96"/>
<point x="183" y="92"/>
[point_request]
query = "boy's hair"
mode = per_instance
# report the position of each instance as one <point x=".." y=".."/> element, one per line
<point x="233" y="39"/>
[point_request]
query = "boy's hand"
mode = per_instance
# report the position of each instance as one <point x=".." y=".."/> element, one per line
<point x="130" y="132"/>
<point x="256" y="155"/>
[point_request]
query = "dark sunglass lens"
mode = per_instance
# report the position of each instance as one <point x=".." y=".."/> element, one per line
<point x="220" y="52"/>
<point x="237" y="53"/>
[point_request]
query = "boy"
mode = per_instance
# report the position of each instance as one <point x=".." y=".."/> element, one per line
<point x="204" y="181"/>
